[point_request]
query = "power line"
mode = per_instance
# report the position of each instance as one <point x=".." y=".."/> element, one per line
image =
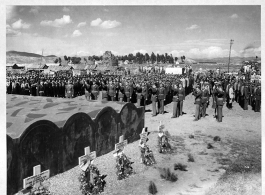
<point x="231" y="43"/>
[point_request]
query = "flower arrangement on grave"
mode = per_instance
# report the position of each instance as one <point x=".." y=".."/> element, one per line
<point x="123" y="165"/>
<point x="92" y="182"/>
<point x="147" y="156"/>
<point x="162" y="138"/>
<point x="40" y="190"/>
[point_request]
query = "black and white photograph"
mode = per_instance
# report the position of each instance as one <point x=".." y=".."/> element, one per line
<point x="132" y="99"/>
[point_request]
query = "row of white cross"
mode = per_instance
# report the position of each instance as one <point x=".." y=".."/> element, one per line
<point x="84" y="161"/>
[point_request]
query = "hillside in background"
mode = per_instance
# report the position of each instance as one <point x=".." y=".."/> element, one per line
<point x="25" y="57"/>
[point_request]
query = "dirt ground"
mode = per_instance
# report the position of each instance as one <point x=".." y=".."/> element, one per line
<point x="239" y="127"/>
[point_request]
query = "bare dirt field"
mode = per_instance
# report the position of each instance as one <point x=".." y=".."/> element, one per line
<point x="232" y="166"/>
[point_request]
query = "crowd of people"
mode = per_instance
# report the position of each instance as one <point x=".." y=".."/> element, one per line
<point x="156" y="88"/>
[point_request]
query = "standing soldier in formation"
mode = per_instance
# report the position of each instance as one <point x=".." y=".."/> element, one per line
<point x="175" y="102"/>
<point x="95" y="90"/>
<point x="104" y="92"/>
<point x="154" y="93"/>
<point x="246" y="96"/>
<point x="219" y="102"/>
<point x="205" y="100"/>
<point x="111" y="91"/>
<point x="87" y="89"/>
<point x="197" y="93"/>
<point x="181" y="94"/>
<point x="144" y="93"/>
<point x="139" y="94"/>
<point x="120" y="92"/>
<point x="257" y="98"/>
<point x="128" y="92"/>
<point x="161" y="98"/>
<point x="69" y="90"/>
<point x="230" y="97"/>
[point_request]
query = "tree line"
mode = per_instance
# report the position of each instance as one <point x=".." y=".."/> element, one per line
<point x="138" y="58"/>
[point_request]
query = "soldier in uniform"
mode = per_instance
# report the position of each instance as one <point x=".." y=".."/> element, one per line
<point x="219" y="102"/>
<point x="41" y="89"/>
<point x="128" y="92"/>
<point x="87" y="89"/>
<point x="144" y="93"/>
<point x="175" y="102"/>
<point x="154" y="95"/>
<point x="120" y="92"/>
<point x="104" y="89"/>
<point x="161" y="98"/>
<point x="139" y="94"/>
<point x="181" y="94"/>
<point x="246" y="96"/>
<point x="204" y="100"/>
<point x="111" y="91"/>
<point x="69" y="90"/>
<point x="95" y="90"/>
<point x="257" y="98"/>
<point x="197" y="93"/>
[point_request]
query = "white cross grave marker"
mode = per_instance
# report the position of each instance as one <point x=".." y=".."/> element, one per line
<point x="89" y="156"/>
<point x="37" y="177"/>
<point x="122" y="143"/>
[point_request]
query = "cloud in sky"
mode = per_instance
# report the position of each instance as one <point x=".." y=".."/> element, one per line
<point x="66" y="9"/>
<point x="141" y="51"/>
<point x="210" y="52"/>
<point x="251" y="52"/>
<point x="81" y="24"/>
<point x="193" y="27"/>
<point x="76" y="33"/>
<point x="177" y="53"/>
<point x="105" y="24"/>
<point x="11" y="32"/>
<point x="83" y="53"/>
<point x="57" y="22"/>
<point x="20" y="24"/>
<point x="234" y="16"/>
<point x="34" y="10"/>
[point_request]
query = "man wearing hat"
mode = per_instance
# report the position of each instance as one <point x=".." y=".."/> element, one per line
<point x="197" y="93"/>
<point x="111" y="90"/>
<point x="154" y="95"/>
<point x="204" y="100"/>
<point x="161" y="98"/>
<point x="175" y="101"/>
<point x="219" y="102"/>
<point x="181" y="94"/>
<point x="95" y="90"/>
<point x="69" y="90"/>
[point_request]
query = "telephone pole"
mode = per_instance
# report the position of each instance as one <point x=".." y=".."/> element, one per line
<point x="231" y="43"/>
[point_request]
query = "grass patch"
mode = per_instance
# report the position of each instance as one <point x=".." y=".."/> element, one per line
<point x="181" y="167"/>
<point x="190" y="158"/>
<point x="152" y="188"/>
<point x="166" y="174"/>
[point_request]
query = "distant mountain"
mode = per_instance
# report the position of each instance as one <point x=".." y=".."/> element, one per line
<point x="27" y="54"/>
<point x="51" y="56"/>
<point x="18" y="53"/>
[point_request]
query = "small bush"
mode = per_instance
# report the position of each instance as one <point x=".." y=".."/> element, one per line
<point x="216" y="138"/>
<point x="152" y="188"/>
<point x="180" y="167"/>
<point x="209" y="146"/>
<point x="167" y="175"/>
<point x="190" y="158"/>
<point x="191" y="136"/>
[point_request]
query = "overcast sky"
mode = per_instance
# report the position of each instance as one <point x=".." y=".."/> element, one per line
<point x="193" y="31"/>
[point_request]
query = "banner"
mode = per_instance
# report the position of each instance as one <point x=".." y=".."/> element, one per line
<point x="173" y="70"/>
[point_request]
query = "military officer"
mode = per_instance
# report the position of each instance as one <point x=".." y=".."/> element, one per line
<point x="161" y="98"/>
<point x="175" y="101"/>
<point x="95" y="90"/>
<point x="181" y="94"/>
<point x="69" y="90"/>
<point x="204" y="100"/>
<point x="154" y="92"/>
<point x="197" y="93"/>
<point x="111" y="90"/>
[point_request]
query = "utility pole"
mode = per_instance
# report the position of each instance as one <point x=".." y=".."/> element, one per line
<point x="231" y="43"/>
